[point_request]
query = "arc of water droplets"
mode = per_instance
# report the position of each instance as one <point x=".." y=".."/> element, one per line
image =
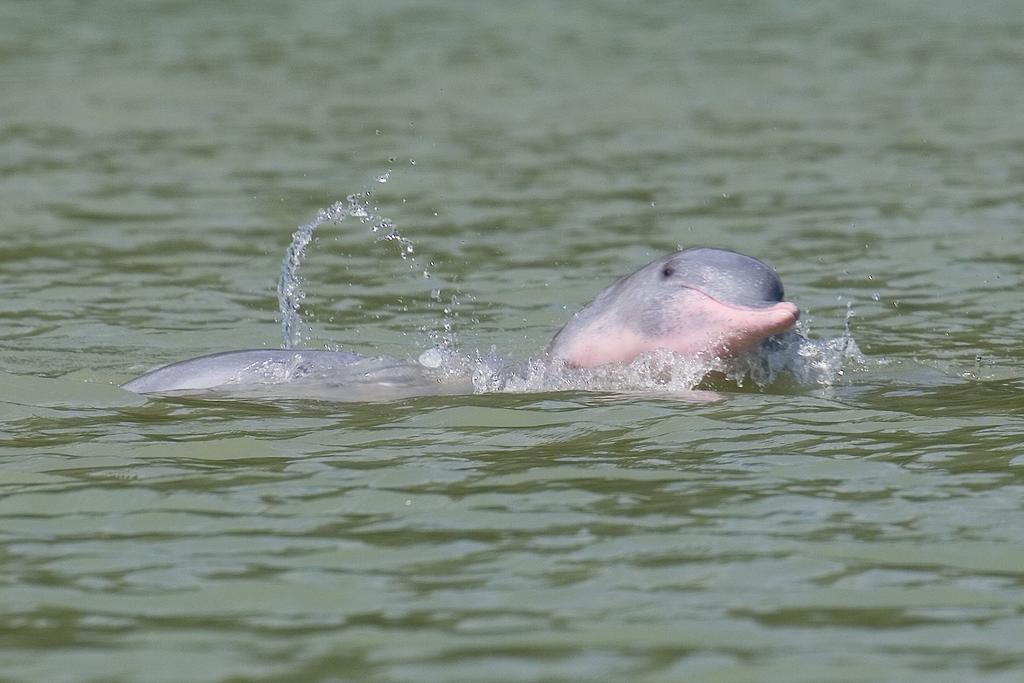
<point x="289" y="286"/>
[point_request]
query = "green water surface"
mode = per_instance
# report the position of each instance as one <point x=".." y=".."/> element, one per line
<point x="156" y="156"/>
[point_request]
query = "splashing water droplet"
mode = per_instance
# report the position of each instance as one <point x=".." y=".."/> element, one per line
<point x="289" y="286"/>
<point x="291" y="294"/>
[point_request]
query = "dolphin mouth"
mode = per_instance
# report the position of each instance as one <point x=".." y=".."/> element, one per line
<point x="728" y="328"/>
<point x="740" y="304"/>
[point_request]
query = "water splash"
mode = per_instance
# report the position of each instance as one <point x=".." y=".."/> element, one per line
<point x="290" y="294"/>
<point x="794" y="355"/>
<point x="788" y="359"/>
<point x="658" y="371"/>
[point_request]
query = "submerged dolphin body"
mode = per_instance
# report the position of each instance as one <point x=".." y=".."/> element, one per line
<point x="699" y="302"/>
<point x="299" y="373"/>
<point x="232" y="367"/>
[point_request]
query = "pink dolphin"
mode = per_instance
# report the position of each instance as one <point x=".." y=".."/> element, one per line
<point x="700" y="302"/>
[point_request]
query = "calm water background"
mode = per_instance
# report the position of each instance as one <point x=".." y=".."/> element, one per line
<point x="154" y="160"/>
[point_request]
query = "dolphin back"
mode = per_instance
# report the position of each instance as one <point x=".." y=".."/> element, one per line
<point x="257" y="366"/>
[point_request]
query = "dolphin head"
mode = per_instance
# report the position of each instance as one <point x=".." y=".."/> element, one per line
<point x="696" y="302"/>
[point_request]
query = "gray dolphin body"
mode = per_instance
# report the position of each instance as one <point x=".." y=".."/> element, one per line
<point x="235" y="367"/>
<point x="699" y="302"/>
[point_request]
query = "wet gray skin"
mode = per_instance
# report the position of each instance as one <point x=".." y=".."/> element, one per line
<point x="229" y="367"/>
<point x="728" y="276"/>
<point x="640" y="312"/>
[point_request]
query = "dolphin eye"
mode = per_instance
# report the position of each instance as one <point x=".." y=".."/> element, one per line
<point x="667" y="272"/>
